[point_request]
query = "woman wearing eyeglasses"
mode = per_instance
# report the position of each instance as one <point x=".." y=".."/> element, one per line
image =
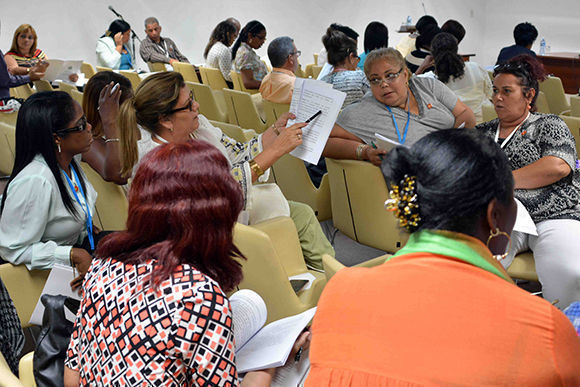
<point x="48" y="203"/>
<point x="164" y="109"/>
<point x="543" y="159"/>
<point x="399" y="107"/>
<point x="344" y="76"/>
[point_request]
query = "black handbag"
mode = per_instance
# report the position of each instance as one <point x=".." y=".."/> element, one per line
<point x="53" y="340"/>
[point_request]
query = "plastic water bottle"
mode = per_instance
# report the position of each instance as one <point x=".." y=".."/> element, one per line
<point x="409" y="20"/>
<point x="543" y="46"/>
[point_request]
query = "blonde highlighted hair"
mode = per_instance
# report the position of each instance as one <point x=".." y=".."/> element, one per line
<point x="23" y="28"/>
<point x="388" y="54"/>
<point x="154" y="99"/>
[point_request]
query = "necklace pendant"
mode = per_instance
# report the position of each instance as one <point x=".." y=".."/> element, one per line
<point x="429" y="106"/>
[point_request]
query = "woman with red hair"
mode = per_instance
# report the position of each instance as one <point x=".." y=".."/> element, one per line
<point x="154" y="308"/>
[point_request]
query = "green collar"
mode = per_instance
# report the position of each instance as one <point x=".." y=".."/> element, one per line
<point x="456" y="245"/>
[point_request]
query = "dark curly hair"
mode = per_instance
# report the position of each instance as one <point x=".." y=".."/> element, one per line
<point x="528" y="70"/>
<point x="447" y="62"/>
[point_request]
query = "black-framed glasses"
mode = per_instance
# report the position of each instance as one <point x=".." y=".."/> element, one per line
<point x="297" y="53"/>
<point x="79" y="128"/>
<point x="376" y="81"/>
<point x="189" y="106"/>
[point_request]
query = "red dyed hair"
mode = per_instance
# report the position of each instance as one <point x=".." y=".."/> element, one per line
<point x="183" y="204"/>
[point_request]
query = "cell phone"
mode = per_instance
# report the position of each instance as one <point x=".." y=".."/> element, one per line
<point x="115" y="88"/>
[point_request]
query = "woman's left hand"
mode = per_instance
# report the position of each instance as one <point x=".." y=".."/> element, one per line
<point x="109" y="105"/>
<point x="73" y="77"/>
<point x="301" y="344"/>
<point x="283" y="120"/>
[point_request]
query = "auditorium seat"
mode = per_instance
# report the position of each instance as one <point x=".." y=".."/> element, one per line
<point x="523" y="267"/>
<point x="187" y="71"/>
<point x="555" y="95"/>
<point x="357" y="193"/>
<point x="156" y="67"/>
<point x="6" y="149"/>
<point x="133" y="77"/>
<point x="211" y="102"/>
<point x="332" y="265"/>
<point x="245" y="111"/>
<point x="273" y="111"/>
<point x="234" y="131"/>
<point x="22" y="91"/>
<point x="213" y="78"/>
<point x="239" y="84"/>
<point x="575" y="105"/>
<point x="573" y="124"/>
<point x="66" y="87"/>
<point x="88" y="70"/>
<point x="103" y="68"/>
<point x="43" y="85"/>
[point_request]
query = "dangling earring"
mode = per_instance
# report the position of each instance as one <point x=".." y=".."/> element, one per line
<point x="58" y="147"/>
<point x="495" y="233"/>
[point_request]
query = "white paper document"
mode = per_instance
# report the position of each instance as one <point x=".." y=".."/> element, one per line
<point x="524" y="222"/>
<point x="293" y="374"/>
<point x="386" y="143"/>
<point x="309" y="97"/>
<point x="58" y="282"/>
<point x="61" y="69"/>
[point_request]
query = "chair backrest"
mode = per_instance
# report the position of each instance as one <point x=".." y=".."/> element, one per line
<point x="187" y="71"/>
<point x="24" y="287"/>
<point x="316" y="70"/>
<point x="573" y="124"/>
<point x="9" y="118"/>
<point x="88" y="70"/>
<point x="315" y="59"/>
<point x="7" y="378"/>
<point x="295" y="183"/>
<point x="358" y="192"/>
<point x="103" y="68"/>
<point x="133" y="77"/>
<point x="77" y="96"/>
<point x="264" y="273"/>
<point x="112" y="206"/>
<point x="575" y="105"/>
<point x="66" y="87"/>
<point x="554" y="91"/>
<point x="234" y="131"/>
<point x="213" y="78"/>
<point x="156" y="66"/>
<point x="6" y="150"/>
<point x="239" y="84"/>
<point x="208" y="105"/>
<point x="246" y="113"/>
<point x="274" y="111"/>
<point x="299" y="72"/>
<point x="43" y="85"/>
<point x="542" y="105"/>
<point x="488" y="113"/>
<point x="22" y="91"/>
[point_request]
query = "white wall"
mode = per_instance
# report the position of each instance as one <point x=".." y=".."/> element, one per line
<point x="68" y="29"/>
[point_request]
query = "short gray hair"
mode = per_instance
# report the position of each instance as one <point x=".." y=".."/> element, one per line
<point x="151" y="20"/>
<point x="279" y="50"/>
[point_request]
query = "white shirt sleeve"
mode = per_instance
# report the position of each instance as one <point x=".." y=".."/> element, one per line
<point x="23" y="222"/>
<point x="107" y="56"/>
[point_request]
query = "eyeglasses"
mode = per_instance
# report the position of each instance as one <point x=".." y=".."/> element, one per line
<point x="390" y="78"/>
<point x="79" y="128"/>
<point x="297" y="53"/>
<point x="189" y="105"/>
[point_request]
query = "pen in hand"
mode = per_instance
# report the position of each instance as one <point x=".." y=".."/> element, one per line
<point x="313" y="117"/>
<point x="375" y="147"/>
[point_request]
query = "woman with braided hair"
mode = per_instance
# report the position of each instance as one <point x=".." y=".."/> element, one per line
<point x="443" y="311"/>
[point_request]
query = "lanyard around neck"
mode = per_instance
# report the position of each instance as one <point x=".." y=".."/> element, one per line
<point x="89" y="219"/>
<point x="508" y="138"/>
<point x="401" y="140"/>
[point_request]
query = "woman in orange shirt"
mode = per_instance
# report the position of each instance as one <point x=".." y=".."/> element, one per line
<point x="443" y="310"/>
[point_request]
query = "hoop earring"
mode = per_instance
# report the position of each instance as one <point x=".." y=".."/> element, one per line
<point x="58" y="147"/>
<point x="495" y="233"/>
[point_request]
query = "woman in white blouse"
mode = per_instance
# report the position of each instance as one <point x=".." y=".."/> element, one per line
<point x="217" y="53"/>
<point x="48" y="203"/>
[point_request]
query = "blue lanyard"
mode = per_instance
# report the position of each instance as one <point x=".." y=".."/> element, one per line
<point x="401" y="141"/>
<point x="89" y="222"/>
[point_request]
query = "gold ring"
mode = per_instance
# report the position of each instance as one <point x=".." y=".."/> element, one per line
<point x="299" y="136"/>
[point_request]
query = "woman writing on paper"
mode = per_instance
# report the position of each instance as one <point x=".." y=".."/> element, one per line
<point x="163" y="288"/>
<point x="442" y="310"/>
<point x="400" y="107"/>
<point x="543" y="158"/>
<point x="164" y="108"/>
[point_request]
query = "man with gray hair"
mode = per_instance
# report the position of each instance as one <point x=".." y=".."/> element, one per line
<point x="155" y="48"/>
<point x="278" y="85"/>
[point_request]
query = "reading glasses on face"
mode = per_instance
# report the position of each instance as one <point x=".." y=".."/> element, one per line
<point x="388" y="79"/>
<point x="297" y="53"/>
<point x="189" y="105"/>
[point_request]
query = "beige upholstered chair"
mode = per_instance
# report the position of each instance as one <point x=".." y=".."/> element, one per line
<point x="575" y="105"/>
<point x="103" y="68"/>
<point x="213" y="78"/>
<point x="88" y="70"/>
<point x="211" y="102"/>
<point x="133" y="77"/>
<point x="573" y="124"/>
<point x="332" y="265"/>
<point x="273" y="111"/>
<point x="554" y="91"/>
<point x="523" y="267"/>
<point x="156" y="67"/>
<point x="358" y="192"/>
<point x="239" y="84"/>
<point x="42" y="85"/>
<point x="488" y="113"/>
<point x="22" y="91"/>
<point x="187" y="71"/>
<point x="6" y="148"/>
<point x="245" y="111"/>
<point x="235" y="132"/>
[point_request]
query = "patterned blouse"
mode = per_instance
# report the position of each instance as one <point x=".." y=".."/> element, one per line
<point x="247" y="59"/>
<point x="540" y="136"/>
<point x="27" y="61"/>
<point x="353" y="83"/>
<point x="220" y="57"/>
<point x="128" y="334"/>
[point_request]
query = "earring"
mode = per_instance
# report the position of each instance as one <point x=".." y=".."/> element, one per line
<point x="58" y="147"/>
<point x="495" y="233"/>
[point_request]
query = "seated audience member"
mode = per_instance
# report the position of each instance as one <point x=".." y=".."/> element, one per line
<point x="454" y="28"/>
<point x="419" y="60"/>
<point x="246" y="61"/>
<point x="323" y="56"/>
<point x="172" y="303"/>
<point x="278" y="85"/>
<point x="112" y="49"/>
<point x="345" y="76"/>
<point x="407" y="42"/>
<point x="442" y="310"/>
<point x="24" y="55"/>
<point x="468" y="80"/>
<point x="164" y="108"/>
<point x="157" y="49"/>
<point x="217" y="53"/>
<point x="7" y="80"/>
<point x="543" y="158"/>
<point x="525" y="35"/>
<point x="236" y="23"/>
<point x="102" y="111"/>
<point x="47" y="206"/>
<point x="376" y="36"/>
<point x="400" y="107"/>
